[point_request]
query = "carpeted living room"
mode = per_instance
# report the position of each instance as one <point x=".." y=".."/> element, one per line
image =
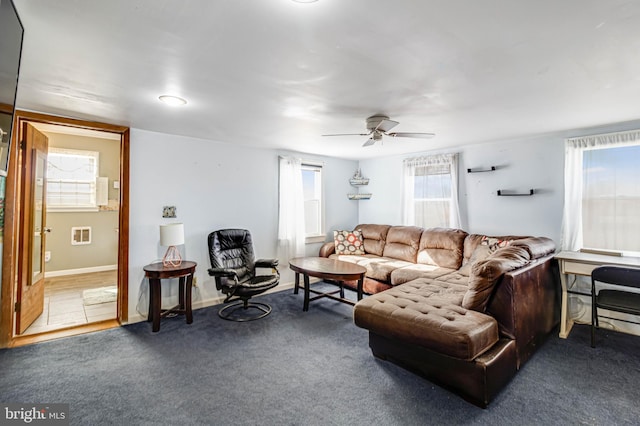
<point x="319" y="212"/>
<point x="314" y="369"/>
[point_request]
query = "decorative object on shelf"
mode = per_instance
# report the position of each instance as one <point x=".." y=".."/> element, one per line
<point x="358" y="179"/>
<point x="172" y="235"/>
<point x="359" y="196"/>
<point x="480" y="170"/>
<point x="502" y="193"/>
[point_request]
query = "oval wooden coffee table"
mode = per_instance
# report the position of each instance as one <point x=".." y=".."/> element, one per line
<point x="331" y="269"/>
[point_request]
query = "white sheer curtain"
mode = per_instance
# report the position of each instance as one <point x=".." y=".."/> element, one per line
<point x="291" y="231"/>
<point x="572" y="219"/>
<point x="436" y="201"/>
<point x="582" y="181"/>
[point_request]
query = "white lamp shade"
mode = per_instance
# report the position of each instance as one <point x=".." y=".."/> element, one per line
<point x="172" y="234"/>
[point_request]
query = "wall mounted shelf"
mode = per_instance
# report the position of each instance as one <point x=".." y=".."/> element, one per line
<point x="358" y="180"/>
<point x="503" y="193"/>
<point x="479" y="170"/>
<point x="359" y="196"/>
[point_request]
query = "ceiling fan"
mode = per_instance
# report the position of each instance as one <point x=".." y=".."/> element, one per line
<point x="379" y="126"/>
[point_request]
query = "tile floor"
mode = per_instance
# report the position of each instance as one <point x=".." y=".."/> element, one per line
<point x="64" y="306"/>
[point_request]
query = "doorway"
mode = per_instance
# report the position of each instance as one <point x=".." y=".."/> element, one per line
<point x="75" y="287"/>
<point x="81" y="242"/>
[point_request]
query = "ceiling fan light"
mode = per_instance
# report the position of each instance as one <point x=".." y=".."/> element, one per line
<point x="379" y="126"/>
<point x="172" y="100"/>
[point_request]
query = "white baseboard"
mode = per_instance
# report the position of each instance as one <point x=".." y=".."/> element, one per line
<point x="199" y="304"/>
<point x="64" y="272"/>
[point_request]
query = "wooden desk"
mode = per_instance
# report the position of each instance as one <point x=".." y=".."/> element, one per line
<point x="330" y="269"/>
<point x="157" y="271"/>
<point x="578" y="263"/>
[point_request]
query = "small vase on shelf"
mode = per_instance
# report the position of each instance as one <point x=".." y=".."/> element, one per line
<point x="358" y="179"/>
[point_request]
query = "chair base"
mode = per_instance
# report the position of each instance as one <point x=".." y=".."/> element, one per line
<point x="228" y="311"/>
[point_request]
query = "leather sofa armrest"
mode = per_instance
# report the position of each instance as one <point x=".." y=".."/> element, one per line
<point x="267" y="263"/>
<point x="327" y="249"/>
<point x="526" y="304"/>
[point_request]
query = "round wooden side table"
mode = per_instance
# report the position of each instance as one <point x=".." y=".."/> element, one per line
<point x="157" y="271"/>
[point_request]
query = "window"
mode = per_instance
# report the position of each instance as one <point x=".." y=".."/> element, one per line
<point x="300" y="207"/>
<point x="313" y="201"/>
<point x="611" y="198"/>
<point x="71" y="179"/>
<point x="432" y="196"/>
<point x="430" y="191"/>
<point x="602" y="193"/>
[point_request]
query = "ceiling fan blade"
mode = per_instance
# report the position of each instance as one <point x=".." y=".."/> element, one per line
<point x="348" y="134"/>
<point x="411" y="135"/>
<point x="386" y="125"/>
<point x="369" y="142"/>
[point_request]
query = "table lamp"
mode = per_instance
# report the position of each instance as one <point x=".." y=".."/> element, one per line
<point x="172" y="235"/>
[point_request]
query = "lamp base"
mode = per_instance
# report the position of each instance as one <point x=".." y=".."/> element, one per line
<point x="172" y="257"/>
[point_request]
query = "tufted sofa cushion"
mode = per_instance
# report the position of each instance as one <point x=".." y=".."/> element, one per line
<point x="428" y="313"/>
<point x="442" y="247"/>
<point x="403" y="243"/>
<point x="378" y="268"/>
<point x="417" y="270"/>
<point x="374" y="237"/>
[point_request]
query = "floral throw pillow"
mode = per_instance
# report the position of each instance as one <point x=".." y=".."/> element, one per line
<point x="494" y="243"/>
<point x="348" y="242"/>
<point x="487" y="246"/>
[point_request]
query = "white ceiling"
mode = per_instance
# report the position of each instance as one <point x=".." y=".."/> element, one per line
<point x="278" y="74"/>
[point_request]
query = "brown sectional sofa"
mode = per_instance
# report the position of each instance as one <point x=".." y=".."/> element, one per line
<point x="453" y="308"/>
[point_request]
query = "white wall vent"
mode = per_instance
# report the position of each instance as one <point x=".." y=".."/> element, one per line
<point x="80" y="235"/>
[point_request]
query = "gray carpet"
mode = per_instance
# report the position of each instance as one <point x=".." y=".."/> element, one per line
<point x="304" y="368"/>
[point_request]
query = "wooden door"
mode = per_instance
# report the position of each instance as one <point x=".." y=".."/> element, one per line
<point x="30" y="294"/>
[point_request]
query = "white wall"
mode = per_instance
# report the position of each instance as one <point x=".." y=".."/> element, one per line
<point x="214" y="185"/>
<point x="536" y="163"/>
<point x="217" y="185"/>
<point x="523" y="164"/>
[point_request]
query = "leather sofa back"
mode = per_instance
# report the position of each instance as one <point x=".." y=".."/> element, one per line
<point x="374" y="237"/>
<point x="473" y="241"/>
<point x="442" y="247"/>
<point x="536" y="246"/>
<point x="403" y="243"/>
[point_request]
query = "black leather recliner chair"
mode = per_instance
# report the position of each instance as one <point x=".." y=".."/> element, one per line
<point x="233" y="265"/>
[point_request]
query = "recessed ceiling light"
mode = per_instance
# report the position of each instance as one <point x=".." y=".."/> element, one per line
<point x="305" y="1"/>
<point x="172" y="100"/>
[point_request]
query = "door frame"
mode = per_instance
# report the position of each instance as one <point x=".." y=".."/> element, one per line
<point x="12" y="206"/>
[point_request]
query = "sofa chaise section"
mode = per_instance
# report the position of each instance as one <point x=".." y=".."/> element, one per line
<point x="472" y="342"/>
<point x="464" y="310"/>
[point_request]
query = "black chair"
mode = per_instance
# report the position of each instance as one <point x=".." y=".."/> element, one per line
<point x="617" y="300"/>
<point x="233" y="265"/>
